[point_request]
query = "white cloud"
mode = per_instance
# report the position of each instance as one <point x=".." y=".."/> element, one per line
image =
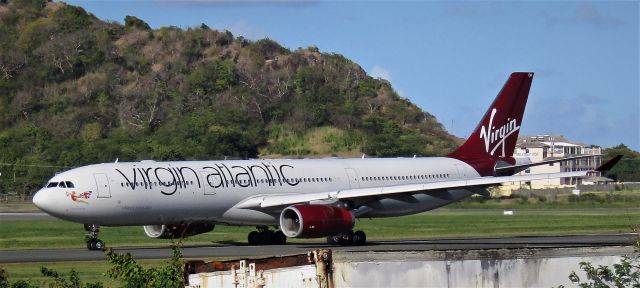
<point x="379" y="72"/>
<point x="243" y="28"/>
<point x="585" y="13"/>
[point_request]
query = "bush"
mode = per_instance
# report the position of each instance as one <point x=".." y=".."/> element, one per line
<point x="71" y="18"/>
<point x="135" y="22"/>
<point x="624" y="274"/>
<point x="224" y="39"/>
<point x="124" y="267"/>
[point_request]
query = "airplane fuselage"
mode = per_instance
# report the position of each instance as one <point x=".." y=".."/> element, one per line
<point x="149" y="192"/>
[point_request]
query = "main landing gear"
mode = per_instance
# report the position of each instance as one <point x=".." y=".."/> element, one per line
<point x="348" y="238"/>
<point x="93" y="243"/>
<point x="264" y="236"/>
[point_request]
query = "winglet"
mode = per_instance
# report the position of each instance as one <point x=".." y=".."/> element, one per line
<point x="606" y="166"/>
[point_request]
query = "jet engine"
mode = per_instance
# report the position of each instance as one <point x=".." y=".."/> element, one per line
<point x="313" y="221"/>
<point x="177" y="230"/>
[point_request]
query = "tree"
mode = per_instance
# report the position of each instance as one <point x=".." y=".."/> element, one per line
<point x="71" y="18"/>
<point x="628" y="169"/>
<point x="133" y="275"/>
<point x="224" y="38"/>
<point x="135" y="22"/>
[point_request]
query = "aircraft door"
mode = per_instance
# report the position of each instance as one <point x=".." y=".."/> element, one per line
<point x="353" y="178"/>
<point x="102" y="184"/>
<point x="207" y="183"/>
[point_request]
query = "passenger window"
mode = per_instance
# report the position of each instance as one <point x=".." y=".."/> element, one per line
<point x="52" y="184"/>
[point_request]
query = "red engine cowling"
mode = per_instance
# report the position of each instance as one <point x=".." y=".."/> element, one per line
<point x="313" y="221"/>
<point x="176" y="231"/>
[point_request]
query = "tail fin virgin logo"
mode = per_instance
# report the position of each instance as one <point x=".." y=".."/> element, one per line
<point x="495" y="138"/>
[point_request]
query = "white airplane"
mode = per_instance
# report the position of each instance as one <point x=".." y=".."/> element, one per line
<point x="305" y="198"/>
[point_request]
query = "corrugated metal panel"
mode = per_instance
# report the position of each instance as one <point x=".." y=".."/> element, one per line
<point x="461" y="268"/>
<point x="307" y="271"/>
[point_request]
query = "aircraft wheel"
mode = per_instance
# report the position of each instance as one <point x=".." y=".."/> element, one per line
<point x="346" y="238"/>
<point x="266" y="237"/>
<point x="98" y="244"/>
<point x="279" y="238"/>
<point x="95" y="244"/>
<point x="359" y="238"/>
<point x="253" y="238"/>
<point x="334" y="239"/>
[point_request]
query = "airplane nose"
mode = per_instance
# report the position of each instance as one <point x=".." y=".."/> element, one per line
<point x="40" y="200"/>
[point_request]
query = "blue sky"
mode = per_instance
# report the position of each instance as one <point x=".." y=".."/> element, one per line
<point x="451" y="58"/>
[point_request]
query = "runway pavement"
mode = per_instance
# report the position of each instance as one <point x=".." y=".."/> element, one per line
<point x="24" y="216"/>
<point x="228" y="250"/>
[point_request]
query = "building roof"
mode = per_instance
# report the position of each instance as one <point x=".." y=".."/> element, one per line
<point x="550" y="140"/>
<point x="531" y="145"/>
<point x="563" y="144"/>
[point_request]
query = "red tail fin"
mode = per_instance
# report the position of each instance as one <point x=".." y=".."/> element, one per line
<point x="495" y="137"/>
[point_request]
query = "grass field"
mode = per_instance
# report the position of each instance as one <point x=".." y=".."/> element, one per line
<point x="586" y="200"/>
<point x="33" y="234"/>
<point x="88" y="271"/>
<point x="18" y="207"/>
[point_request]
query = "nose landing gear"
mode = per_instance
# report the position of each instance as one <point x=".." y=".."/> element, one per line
<point x="93" y="243"/>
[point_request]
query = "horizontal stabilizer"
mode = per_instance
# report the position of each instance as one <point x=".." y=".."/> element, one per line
<point x="517" y="168"/>
<point x="606" y="166"/>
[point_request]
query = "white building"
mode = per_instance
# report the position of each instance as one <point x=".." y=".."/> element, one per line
<point x="547" y="147"/>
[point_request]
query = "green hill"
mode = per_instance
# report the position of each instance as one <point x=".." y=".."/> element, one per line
<point x="76" y="90"/>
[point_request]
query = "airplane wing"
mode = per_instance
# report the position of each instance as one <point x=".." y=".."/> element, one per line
<point x="260" y="202"/>
<point x="272" y="201"/>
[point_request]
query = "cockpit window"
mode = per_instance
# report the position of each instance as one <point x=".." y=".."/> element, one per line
<point x="52" y="184"/>
<point x="69" y="184"/>
<point x="62" y="185"/>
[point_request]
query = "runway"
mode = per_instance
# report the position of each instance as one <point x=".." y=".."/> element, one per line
<point x="25" y="216"/>
<point x="230" y="250"/>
